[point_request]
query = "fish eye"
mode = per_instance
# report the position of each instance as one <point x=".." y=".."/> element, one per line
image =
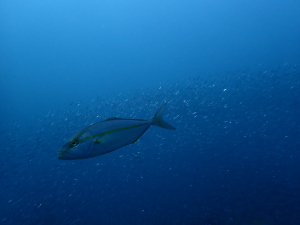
<point x="73" y="143"/>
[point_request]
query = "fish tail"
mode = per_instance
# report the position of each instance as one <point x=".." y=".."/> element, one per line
<point x="157" y="120"/>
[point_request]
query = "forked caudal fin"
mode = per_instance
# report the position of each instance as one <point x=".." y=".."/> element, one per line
<point x="157" y="120"/>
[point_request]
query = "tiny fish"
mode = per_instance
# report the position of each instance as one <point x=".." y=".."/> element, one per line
<point x="109" y="135"/>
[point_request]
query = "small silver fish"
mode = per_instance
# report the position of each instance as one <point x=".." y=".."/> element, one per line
<point x="109" y="135"/>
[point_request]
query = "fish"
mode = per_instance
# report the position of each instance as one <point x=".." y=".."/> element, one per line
<point x="109" y="135"/>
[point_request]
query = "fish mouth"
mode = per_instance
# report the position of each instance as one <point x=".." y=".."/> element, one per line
<point x="66" y="154"/>
<point x="60" y="156"/>
<point x="62" y="153"/>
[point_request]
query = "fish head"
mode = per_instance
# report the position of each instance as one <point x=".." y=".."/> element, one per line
<point x="78" y="147"/>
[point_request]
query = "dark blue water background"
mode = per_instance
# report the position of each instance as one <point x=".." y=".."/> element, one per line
<point x="229" y="72"/>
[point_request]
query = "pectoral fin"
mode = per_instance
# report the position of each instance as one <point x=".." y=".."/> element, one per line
<point x="98" y="140"/>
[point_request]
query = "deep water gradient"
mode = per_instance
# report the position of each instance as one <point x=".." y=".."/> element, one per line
<point x="233" y="160"/>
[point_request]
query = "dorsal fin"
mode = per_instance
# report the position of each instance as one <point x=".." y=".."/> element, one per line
<point x="112" y="118"/>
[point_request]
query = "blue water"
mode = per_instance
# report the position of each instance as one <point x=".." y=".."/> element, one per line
<point x="229" y="72"/>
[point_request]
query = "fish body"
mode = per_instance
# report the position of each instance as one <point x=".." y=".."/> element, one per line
<point x="109" y="135"/>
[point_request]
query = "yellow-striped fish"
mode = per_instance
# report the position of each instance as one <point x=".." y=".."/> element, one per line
<point x="109" y="135"/>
